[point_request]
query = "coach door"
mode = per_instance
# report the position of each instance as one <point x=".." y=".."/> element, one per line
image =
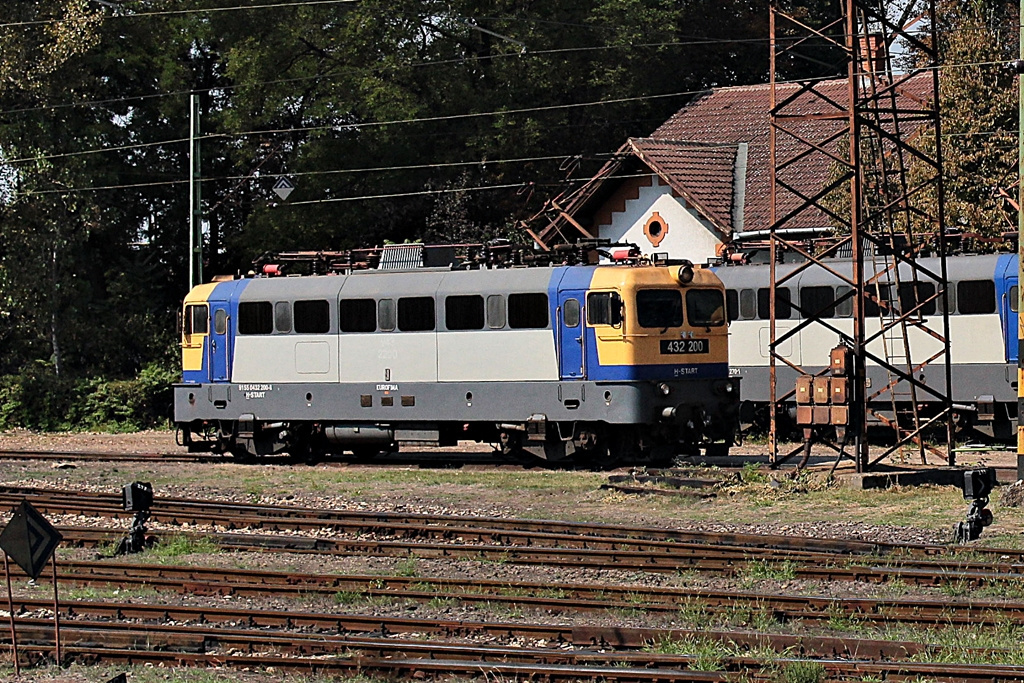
<point x="1008" y="316"/>
<point x="570" y="334"/>
<point x="219" y="336"/>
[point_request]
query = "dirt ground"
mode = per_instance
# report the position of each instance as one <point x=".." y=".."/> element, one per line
<point x="751" y="499"/>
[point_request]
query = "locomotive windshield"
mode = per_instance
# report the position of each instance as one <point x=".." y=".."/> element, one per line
<point x="659" y="308"/>
<point x="705" y="307"/>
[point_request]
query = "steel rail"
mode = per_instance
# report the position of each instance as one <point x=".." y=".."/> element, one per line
<point x="542" y="596"/>
<point x="368" y="522"/>
<point x="706" y="559"/>
<point x="294" y="649"/>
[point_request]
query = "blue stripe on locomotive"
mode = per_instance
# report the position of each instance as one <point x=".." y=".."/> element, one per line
<point x="1006" y="279"/>
<point x="219" y="348"/>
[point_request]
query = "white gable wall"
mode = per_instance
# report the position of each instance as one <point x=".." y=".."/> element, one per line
<point x="689" y="236"/>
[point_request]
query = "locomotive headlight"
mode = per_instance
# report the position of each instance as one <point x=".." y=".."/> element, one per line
<point x="685" y="273"/>
<point x="664" y="389"/>
<point x="724" y="387"/>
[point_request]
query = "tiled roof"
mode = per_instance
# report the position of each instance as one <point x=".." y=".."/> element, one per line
<point x="698" y="172"/>
<point x="741" y="114"/>
<point x="695" y="150"/>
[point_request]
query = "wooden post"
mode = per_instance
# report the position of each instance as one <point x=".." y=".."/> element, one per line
<point x="10" y="605"/>
<point x="56" y="612"/>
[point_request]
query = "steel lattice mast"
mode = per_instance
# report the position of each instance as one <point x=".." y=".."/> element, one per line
<point x="878" y="132"/>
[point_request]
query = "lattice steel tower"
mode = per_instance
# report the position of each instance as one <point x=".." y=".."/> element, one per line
<point x="871" y="117"/>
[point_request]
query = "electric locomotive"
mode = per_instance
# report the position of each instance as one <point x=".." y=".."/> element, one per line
<point x="589" y="362"/>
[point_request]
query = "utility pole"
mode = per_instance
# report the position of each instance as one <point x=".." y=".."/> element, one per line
<point x="195" y="211"/>
<point x="1019" y="68"/>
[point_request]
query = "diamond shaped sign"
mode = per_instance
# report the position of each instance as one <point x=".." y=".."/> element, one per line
<point x="29" y="539"/>
<point x="283" y="187"/>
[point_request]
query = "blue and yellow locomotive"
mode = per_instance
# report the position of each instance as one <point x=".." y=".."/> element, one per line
<point x="626" y="360"/>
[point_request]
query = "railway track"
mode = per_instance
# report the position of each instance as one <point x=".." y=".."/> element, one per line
<point x="548" y="597"/>
<point x="247" y="642"/>
<point x="341" y="532"/>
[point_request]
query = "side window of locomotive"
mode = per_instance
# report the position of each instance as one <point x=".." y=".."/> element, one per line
<point x="196" y="320"/>
<point x="283" y="316"/>
<point x="604" y="308"/>
<point x="1014" y="300"/>
<point x="495" y="311"/>
<point x="659" y="308"/>
<point x="818" y="301"/>
<point x="255" y="317"/>
<point x="313" y="317"/>
<point x="912" y="294"/>
<point x="748" y="304"/>
<point x="976" y="296"/>
<point x="416" y="314"/>
<point x="527" y="311"/>
<point x="571" y="313"/>
<point x="844" y="307"/>
<point x="386" y="315"/>
<point x="705" y="308"/>
<point x="220" y="321"/>
<point x="783" y="309"/>
<point x="877" y="301"/>
<point x="732" y="304"/>
<point x="464" y="312"/>
<point x="357" y="315"/>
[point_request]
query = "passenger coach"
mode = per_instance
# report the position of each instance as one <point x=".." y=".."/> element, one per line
<point x="590" y="362"/>
<point x="983" y="300"/>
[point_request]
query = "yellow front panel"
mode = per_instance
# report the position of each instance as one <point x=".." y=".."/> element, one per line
<point x="633" y="345"/>
<point x="193" y="345"/>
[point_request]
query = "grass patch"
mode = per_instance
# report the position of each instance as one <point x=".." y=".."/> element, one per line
<point x="180" y="544"/>
<point x="801" y="672"/>
<point x="767" y="570"/>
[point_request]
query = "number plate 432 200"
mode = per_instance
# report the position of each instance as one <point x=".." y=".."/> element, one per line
<point x="673" y="346"/>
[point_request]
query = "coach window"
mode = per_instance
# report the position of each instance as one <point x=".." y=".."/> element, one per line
<point x="283" y="316"/>
<point x="732" y="304"/>
<point x="416" y="314"/>
<point x="604" y="308"/>
<point x="220" y="321"/>
<point x="748" y="304"/>
<point x="844" y="307"/>
<point x="704" y="308"/>
<point x="782" y="305"/>
<point x="527" y="311"/>
<point x="877" y="300"/>
<point x="196" y="320"/>
<point x="571" y="313"/>
<point x="357" y="315"/>
<point x="976" y="296"/>
<point x="912" y="294"/>
<point x="819" y="302"/>
<point x="659" y="308"/>
<point x="313" y="317"/>
<point x="495" y="311"/>
<point x="386" y="315"/>
<point x="464" y="312"/>
<point x="255" y="317"/>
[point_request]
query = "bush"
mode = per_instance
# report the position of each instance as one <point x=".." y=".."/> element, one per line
<point x="37" y="399"/>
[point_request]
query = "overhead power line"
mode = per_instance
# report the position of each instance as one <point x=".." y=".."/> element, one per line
<point x="198" y="10"/>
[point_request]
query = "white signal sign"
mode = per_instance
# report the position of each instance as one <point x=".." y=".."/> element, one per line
<point x="283" y="187"/>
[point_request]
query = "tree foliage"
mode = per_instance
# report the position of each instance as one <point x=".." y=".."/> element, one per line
<point x="393" y="120"/>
